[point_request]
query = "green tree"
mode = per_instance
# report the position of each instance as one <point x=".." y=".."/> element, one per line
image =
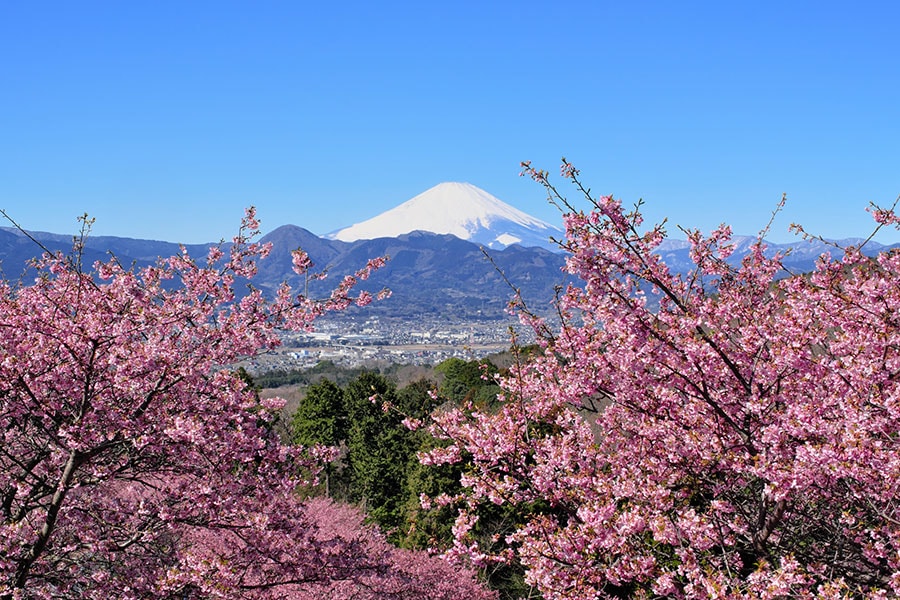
<point x="415" y="400"/>
<point x="380" y="449"/>
<point x="321" y="418"/>
<point x="468" y="380"/>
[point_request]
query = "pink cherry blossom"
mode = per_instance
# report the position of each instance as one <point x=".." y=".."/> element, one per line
<point x="135" y="463"/>
<point x="727" y="433"/>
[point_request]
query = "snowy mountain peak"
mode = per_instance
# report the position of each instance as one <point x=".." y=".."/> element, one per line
<point x="460" y="209"/>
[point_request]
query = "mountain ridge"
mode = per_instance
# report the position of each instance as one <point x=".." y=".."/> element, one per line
<point x="428" y="273"/>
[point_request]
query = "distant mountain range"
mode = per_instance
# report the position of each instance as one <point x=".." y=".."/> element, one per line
<point x="436" y="267"/>
<point x="801" y="255"/>
<point x="428" y="273"/>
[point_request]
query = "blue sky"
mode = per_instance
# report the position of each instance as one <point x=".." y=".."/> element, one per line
<point x="163" y="120"/>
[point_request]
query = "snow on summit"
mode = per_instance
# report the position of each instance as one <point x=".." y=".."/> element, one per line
<point x="460" y="209"/>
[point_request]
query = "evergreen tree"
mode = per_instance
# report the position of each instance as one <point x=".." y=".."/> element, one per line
<point x="321" y="418"/>
<point x="468" y="380"/>
<point x="380" y="449"/>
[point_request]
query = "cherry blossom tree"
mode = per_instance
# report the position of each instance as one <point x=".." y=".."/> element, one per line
<point x="729" y="433"/>
<point x="134" y="461"/>
<point x="399" y="575"/>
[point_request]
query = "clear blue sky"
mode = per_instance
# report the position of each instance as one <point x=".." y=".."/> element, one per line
<point x="164" y="119"/>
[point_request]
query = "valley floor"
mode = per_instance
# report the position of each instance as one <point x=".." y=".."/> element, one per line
<point x="353" y="343"/>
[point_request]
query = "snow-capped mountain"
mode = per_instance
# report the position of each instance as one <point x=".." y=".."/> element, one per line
<point x="459" y="209"/>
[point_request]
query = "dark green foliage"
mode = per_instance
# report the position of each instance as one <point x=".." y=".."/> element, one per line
<point x="321" y="418"/>
<point x="280" y="377"/>
<point x="325" y="369"/>
<point x="430" y="528"/>
<point x="495" y="523"/>
<point x="463" y="380"/>
<point x="415" y="401"/>
<point x="338" y="374"/>
<point x="380" y="449"/>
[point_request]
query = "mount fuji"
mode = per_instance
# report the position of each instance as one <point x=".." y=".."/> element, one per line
<point x="459" y="209"/>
